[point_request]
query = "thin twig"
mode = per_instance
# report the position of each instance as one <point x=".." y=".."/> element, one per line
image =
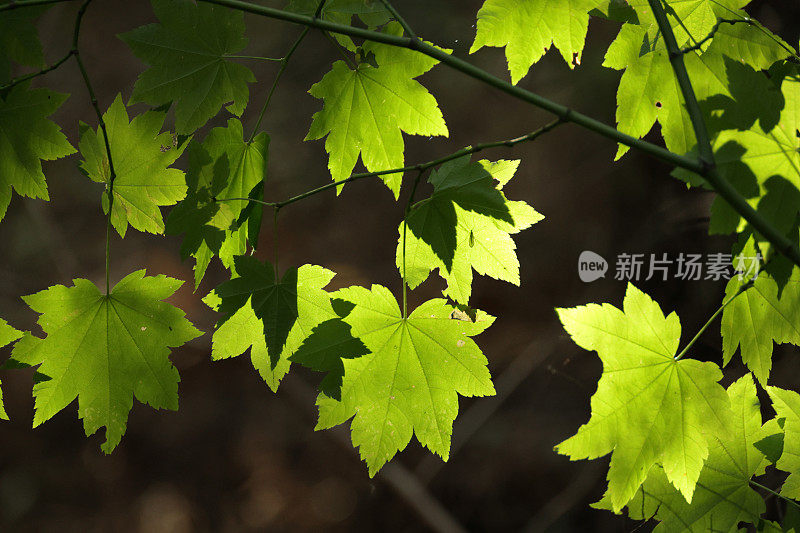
<point x="93" y="99"/>
<point x="390" y="8"/>
<point x="259" y="58"/>
<point x="774" y="493"/>
<point x="699" y="44"/>
<point x="509" y="143"/>
<point x="709" y="169"/>
<point x="341" y="51"/>
<point x="281" y="70"/>
<point x="763" y="30"/>
<point x="253" y="200"/>
<point x="275" y="211"/>
<point x="50" y="68"/>
<point x="703" y="166"/>
<point x="284" y="62"/>
<point x="565" y="113"/>
<point x="424" y="166"/>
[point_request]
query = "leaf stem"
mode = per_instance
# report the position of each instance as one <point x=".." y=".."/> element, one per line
<point x="93" y="99"/>
<point x="275" y="210"/>
<point x="708" y="323"/>
<point x="254" y="200"/>
<point x="420" y="172"/>
<point x="390" y="8"/>
<point x="341" y="50"/>
<point x="284" y="62"/>
<point x="261" y="58"/>
<point x="774" y="493"/>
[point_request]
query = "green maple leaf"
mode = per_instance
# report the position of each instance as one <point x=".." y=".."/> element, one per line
<point x="7" y="333"/>
<point x="27" y="138"/>
<point x="187" y="53"/>
<point x="193" y="216"/>
<point x="763" y="162"/>
<point x="757" y="318"/>
<point x="371" y="12"/>
<point x="410" y="381"/>
<point x="527" y="28"/>
<point x="245" y="330"/>
<point x="7" y="336"/>
<point x="141" y="155"/>
<point x="787" y="405"/>
<point x="367" y="110"/>
<point x="466" y="224"/>
<point x="724" y="497"/>
<point x="649" y="407"/>
<point x="752" y="44"/>
<point x="648" y="90"/>
<point x="325" y="350"/>
<point x="223" y="166"/>
<point x="105" y="349"/>
<point x="19" y="39"/>
<point x="691" y="20"/>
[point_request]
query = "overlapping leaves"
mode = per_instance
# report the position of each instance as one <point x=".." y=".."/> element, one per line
<point x="270" y="317"/>
<point x="224" y="166"/>
<point x="724" y="497"/>
<point x="367" y="109"/>
<point x="649" y="408"/>
<point x="141" y="155"/>
<point x="648" y="89"/>
<point x="757" y="318"/>
<point x="465" y="224"/>
<point x="371" y="12"/>
<point x="763" y="162"/>
<point x="787" y="408"/>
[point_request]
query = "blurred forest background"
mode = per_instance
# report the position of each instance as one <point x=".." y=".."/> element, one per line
<point x="237" y="457"/>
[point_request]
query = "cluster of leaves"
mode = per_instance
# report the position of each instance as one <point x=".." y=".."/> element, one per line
<point x="393" y="373"/>
<point x="684" y="449"/>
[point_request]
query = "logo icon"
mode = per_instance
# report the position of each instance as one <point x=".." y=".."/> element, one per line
<point x="591" y="266"/>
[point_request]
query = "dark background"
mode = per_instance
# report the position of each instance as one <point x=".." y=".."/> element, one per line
<point x="237" y="457"/>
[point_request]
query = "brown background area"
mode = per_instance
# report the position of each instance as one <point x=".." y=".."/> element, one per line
<point x="236" y="457"/>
